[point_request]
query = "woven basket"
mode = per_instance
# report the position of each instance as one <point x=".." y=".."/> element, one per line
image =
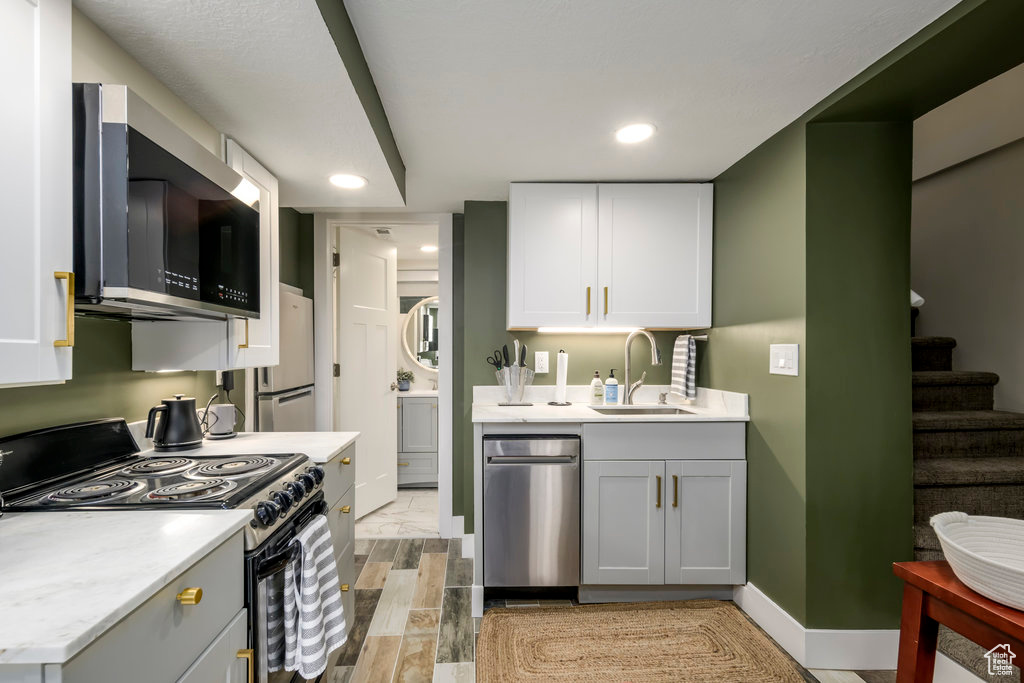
<point x="986" y="553"/>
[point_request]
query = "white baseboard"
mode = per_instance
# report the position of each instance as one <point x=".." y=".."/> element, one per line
<point x="949" y="671"/>
<point x="458" y="526"/>
<point x="468" y="546"/>
<point x="477" y="594"/>
<point x="867" y="649"/>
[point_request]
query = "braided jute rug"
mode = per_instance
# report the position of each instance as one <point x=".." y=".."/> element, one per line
<point x="694" y="640"/>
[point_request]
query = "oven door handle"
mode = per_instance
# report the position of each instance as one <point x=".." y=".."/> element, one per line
<point x="276" y="563"/>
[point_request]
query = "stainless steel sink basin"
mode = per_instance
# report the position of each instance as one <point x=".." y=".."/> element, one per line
<point x="641" y="410"/>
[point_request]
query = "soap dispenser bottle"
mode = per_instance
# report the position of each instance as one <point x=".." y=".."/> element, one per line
<point x="596" y="390"/>
<point x="611" y="390"/>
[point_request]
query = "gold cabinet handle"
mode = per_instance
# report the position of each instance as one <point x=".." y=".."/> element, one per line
<point x="403" y="464"/>
<point x="588" y="302"/>
<point x="658" y="504"/>
<point x="190" y="596"/>
<point x="606" y="301"/>
<point x="346" y="461"/>
<point x="675" y="490"/>
<point x="68" y="341"/>
<point x="246" y="344"/>
<point x="344" y="588"/>
<point x="346" y="509"/>
<point x="250" y="661"/>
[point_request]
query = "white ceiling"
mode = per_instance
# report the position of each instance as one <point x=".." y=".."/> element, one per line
<point x="483" y="92"/>
<point x="408" y="238"/>
<point x="267" y="74"/>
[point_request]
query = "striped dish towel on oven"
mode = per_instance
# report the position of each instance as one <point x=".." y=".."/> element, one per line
<point x="684" y="367"/>
<point x="312" y="620"/>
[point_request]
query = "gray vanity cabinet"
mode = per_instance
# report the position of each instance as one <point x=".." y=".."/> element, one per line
<point x="417" y="440"/>
<point x="623" y="525"/>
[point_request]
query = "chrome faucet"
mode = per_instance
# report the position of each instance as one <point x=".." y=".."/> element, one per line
<point x="655" y="360"/>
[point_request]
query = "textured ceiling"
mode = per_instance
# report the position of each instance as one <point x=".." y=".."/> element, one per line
<point x="483" y="92"/>
<point x="267" y="74"/>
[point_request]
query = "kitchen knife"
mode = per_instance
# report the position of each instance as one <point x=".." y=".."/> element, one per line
<point x="522" y="357"/>
<point x="504" y="352"/>
<point x="515" y="360"/>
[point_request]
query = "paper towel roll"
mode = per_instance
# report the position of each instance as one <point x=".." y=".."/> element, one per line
<point x="562" y="376"/>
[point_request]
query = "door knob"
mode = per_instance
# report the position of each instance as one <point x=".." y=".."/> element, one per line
<point x="394" y="385"/>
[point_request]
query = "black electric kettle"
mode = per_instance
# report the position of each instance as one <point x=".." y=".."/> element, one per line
<point x="179" y="428"/>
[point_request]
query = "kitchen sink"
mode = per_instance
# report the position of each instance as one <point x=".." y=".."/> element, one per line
<point x="642" y="410"/>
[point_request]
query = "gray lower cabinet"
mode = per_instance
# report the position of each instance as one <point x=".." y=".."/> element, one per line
<point x="339" y="494"/>
<point x="417" y="441"/>
<point x="664" y="522"/>
<point x="623" y="529"/>
<point x="221" y="662"/>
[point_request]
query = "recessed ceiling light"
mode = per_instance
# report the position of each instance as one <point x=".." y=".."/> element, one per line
<point x="634" y="132"/>
<point x="428" y="248"/>
<point x="348" y="181"/>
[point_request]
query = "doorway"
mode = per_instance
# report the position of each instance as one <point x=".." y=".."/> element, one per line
<point x="405" y="442"/>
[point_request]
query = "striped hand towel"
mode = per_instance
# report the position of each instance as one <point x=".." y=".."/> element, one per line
<point x="312" y="618"/>
<point x="684" y="367"/>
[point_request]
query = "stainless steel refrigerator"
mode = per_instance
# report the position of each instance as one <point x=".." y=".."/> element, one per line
<point x="284" y="394"/>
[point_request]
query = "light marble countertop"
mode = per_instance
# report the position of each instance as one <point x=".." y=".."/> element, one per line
<point x="710" y="406"/>
<point x="66" y="577"/>
<point x="319" y="446"/>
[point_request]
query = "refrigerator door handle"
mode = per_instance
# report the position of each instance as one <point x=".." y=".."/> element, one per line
<point x="294" y="397"/>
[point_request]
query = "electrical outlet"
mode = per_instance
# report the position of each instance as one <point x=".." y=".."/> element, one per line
<point x="784" y="359"/>
<point x="540" y="362"/>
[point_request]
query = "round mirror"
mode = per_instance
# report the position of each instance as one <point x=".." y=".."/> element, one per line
<point x="419" y="333"/>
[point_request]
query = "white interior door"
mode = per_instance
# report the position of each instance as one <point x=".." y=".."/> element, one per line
<point x="254" y="342"/>
<point x="367" y="334"/>
<point x="36" y="334"/>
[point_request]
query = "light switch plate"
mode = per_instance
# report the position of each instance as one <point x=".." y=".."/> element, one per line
<point x="540" y="362"/>
<point x="784" y="359"/>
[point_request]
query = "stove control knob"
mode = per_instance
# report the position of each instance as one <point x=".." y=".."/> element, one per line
<point x="317" y="473"/>
<point x="296" y="489"/>
<point x="283" y="499"/>
<point x="308" y="480"/>
<point x="267" y="512"/>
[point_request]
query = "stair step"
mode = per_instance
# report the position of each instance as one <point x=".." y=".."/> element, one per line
<point x="968" y="434"/>
<point x="932" y="353"/>
<point x="968" y="471"/>
<point x="1002" y="500"/>
<point x="953" y="390"/>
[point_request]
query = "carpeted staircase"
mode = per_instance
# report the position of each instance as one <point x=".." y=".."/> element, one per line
<point x="967" y="457"/>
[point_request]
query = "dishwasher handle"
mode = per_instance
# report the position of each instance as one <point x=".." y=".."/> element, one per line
<point x="531" y="459"/>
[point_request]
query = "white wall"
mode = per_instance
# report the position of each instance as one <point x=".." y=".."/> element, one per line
<point x="967" y="237"/>
<point x="96" y="58"/>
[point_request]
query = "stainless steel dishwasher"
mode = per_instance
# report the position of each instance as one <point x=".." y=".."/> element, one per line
<point x="531" y="511"/>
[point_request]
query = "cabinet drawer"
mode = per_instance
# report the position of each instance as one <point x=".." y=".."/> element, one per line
<point x="163" y="637"/>
<point x="417" y="463"/>
<point x="338" y="476"/>
<point x="342" y="524"/>
<point x="665" y="441"/>
<point x="220" y="662"/>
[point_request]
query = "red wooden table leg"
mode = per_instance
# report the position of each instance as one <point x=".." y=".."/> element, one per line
<point x="918" y="636"/>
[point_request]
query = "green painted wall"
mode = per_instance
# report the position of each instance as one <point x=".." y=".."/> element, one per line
<point x="103" y="384"/>
<point x="295" y="237"/>
<point x="759" y="299"/>
<point x="812" y="246"/>
<point x="859" y="449"/>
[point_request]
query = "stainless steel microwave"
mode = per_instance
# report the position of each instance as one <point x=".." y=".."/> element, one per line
<point x="162" y="229"/>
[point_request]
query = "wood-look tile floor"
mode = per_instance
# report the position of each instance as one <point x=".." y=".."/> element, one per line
<point x="413" y="620"/>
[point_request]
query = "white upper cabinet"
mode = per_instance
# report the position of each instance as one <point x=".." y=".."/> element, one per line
<point x="237" y="343"/>
<point x="552" y="254"/>
<point x="654" y="246"/>
<point x="36" y="316"/>
<point x="610" y="255"/>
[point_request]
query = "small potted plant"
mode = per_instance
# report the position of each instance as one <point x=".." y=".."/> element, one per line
<point x="404" y="377"/>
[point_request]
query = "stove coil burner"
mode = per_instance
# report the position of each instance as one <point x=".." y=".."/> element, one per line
<point x="158" y="467"/>
<point x="231" y="469"/>
<point x="93" y="491"/>
<point x="191" y="490"/>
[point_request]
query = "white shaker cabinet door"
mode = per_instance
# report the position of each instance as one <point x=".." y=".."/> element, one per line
<point x="36" y="316"/>
<point x="655" y="254"/>
<point x="254" y="342"/>
<point x="623" y="522"/>
<point x="705" y="522"/>
<point x="552" y="255"/>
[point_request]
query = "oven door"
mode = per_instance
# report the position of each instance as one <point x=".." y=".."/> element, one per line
<point x="265" y="573"/>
